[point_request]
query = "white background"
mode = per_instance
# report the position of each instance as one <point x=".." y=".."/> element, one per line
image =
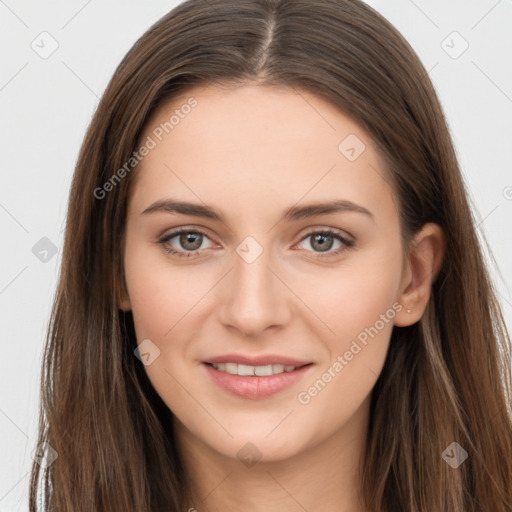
<point x="46" y="105"/>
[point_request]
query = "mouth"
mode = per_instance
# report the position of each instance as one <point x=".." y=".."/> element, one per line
<point x="255" y="382"/>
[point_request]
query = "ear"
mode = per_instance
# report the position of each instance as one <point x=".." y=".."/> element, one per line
<point x="123" y="299"/>
<point x="423" y="262"/>
<point x="124" y="302"/>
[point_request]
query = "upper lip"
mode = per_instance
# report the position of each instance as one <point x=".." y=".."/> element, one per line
<point x="261" y="360"/>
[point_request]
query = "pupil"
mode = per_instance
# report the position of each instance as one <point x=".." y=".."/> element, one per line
<point x="323" y="245"/>
<point x="186" y="237"/>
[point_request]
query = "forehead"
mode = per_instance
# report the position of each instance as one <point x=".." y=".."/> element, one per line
<point x="247" y="144"/>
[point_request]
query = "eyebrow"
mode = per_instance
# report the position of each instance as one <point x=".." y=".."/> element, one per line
<point x="291" y="214"/>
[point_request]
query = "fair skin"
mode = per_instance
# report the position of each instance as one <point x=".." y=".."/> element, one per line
<point x="252" y="152"/>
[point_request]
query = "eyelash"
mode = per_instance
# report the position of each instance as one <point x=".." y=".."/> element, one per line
<point x="347" y="244"/>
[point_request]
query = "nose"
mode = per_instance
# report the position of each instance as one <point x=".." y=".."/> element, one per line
<point x="255" y="297"/>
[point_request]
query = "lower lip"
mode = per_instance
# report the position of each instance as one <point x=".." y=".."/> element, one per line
<point x="254" y="387"/>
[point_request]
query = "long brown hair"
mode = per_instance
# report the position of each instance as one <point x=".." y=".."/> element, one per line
<point x="446" y="379"/>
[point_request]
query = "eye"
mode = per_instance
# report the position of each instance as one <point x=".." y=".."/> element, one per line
<point x="322" y="242"/>
<point x="191" y="241"/>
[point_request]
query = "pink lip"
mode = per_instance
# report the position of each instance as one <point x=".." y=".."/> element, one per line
<point x="256" y="360"/>
<point x="254" y="387"/>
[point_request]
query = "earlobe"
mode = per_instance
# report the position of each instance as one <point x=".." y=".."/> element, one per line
<point x="125" y="306"/>
<point x="424" y="262"/>
<point x="124" y="300"/>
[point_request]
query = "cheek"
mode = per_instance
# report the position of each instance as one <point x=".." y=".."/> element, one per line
<point x="162" y="301"/>
<point x="160" y="295"/>
<point x="354" y="297"/>
<point x="358" y="307"/>
<point x="152" y="304"/>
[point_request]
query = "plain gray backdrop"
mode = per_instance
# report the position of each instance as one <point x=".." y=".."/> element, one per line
<point x="56" y="60"/>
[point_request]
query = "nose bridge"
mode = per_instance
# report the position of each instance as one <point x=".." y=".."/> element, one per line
<point x="256" y="298"/>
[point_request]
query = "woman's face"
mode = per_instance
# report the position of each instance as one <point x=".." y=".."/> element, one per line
<point x="260" y="281"/>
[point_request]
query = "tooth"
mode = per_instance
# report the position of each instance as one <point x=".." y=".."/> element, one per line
<point x="245" y="370"/>
<point x="231" y="368"/>
<point x="263" y="370"/>
<point x="277" y="368"/>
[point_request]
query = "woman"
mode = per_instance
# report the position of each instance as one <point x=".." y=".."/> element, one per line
<point x="272" y="292"/>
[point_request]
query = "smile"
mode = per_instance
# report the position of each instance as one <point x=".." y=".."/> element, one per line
<point x="255" y="382"/>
